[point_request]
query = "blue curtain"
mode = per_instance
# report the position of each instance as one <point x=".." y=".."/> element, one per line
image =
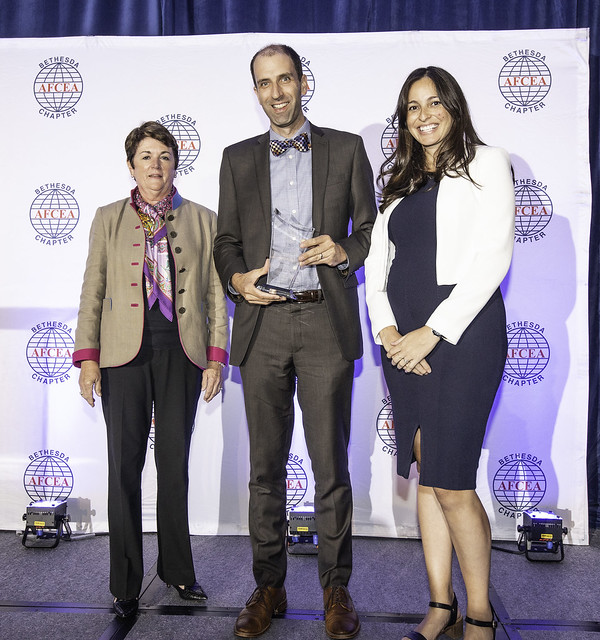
<point x="45" y="18"/>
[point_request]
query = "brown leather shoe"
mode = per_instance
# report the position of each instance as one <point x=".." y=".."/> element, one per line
<point x="341" y="619"/>
<point x="255" y="617"/>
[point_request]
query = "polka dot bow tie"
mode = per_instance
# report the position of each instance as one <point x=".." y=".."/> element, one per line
<point x="301" y="142"/>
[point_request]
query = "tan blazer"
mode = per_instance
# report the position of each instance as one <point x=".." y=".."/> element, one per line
<point x="111" y="310"/>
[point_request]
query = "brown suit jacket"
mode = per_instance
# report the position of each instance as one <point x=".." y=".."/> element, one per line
<point x="342" y="193"/>
<point x="111" y="311"/>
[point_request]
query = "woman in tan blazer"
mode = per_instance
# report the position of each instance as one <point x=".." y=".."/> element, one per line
<point x="151" y="335"/>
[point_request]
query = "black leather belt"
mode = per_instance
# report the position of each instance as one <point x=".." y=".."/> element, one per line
<point x="313" y="295"/>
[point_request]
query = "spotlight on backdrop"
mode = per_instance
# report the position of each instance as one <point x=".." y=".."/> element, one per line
<point x="541" y="536"/>
<point x="45" y="521"/>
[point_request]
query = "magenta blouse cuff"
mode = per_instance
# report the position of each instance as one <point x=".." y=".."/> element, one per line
<point x="85" y="354"/>
<point x="217" y="354"/>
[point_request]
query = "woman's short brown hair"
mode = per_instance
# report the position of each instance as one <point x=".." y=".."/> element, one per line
<point x="150" y="129"/>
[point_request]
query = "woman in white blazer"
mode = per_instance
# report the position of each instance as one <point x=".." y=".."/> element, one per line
<point x="440" y="248"/>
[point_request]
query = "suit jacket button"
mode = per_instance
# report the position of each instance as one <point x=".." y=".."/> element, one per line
<point x="170" y="217"/>
<point x="182" y="270"/>
<point x="182" y="310"/>
<point x="177" y="249"/>
<point x="181" y="291"/>
<point x="173" y="234"/>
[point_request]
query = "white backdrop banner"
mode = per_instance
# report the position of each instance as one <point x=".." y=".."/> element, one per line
<point x="68" y="105"/>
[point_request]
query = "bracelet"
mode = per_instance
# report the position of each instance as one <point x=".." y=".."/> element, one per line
<point x="438" y="334"/>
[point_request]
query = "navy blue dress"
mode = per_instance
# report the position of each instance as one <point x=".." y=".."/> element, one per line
<point x="451" y="405"/>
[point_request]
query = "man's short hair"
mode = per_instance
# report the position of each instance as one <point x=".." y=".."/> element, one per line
<point x="271" y="50"/>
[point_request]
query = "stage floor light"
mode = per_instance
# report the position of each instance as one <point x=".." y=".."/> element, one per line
<point x="302" y="538"/>
<point x="542" y="534"/>
<point x="45" y="520"/>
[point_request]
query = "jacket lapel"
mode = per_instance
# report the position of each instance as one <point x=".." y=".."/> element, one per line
<point x="263" y="178"/>
<point x="320" y="167"/>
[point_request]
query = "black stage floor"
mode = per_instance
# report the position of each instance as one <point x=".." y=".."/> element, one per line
<point x="63" y="592"/>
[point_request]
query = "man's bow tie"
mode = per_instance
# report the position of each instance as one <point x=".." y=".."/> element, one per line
<point x="301" y="142"/>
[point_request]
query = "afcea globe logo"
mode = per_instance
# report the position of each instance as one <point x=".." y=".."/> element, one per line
<point x="54" y="213"/>
<point x="306" y="98"/>
<point x="385" y="428"/>
<point x="58" y="87"/>
<point x="48" y="476"/>
<point x="183" y="129"/>
<point x="524" y="81"/>
<point x="389" y="138"/>
<point x="528" y="354"/>
<point x="296" y="483"/>
<point x="50" y="351"/>
<point x="533" y="210"/>
<point x="519" y="484"/>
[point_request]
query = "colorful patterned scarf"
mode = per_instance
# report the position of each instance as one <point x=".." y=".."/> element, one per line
<point x="156" y="261"/>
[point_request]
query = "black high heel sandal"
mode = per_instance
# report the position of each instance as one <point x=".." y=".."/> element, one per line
<point x="480" y="623"/>
<point x="454" y="628"/>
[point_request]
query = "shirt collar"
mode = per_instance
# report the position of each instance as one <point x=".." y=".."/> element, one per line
<point x="177" y="199"/>
<point x="305" y="128"/>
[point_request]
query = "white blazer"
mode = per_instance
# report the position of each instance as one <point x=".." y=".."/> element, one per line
<point x="475" y="239"/>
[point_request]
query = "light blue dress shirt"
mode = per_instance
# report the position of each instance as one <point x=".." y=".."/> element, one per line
<point x="291" y="198"/>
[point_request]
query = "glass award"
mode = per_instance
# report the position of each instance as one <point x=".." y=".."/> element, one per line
<point x="286" y="236"/>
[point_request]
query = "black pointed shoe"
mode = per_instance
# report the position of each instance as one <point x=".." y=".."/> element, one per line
<point x="125" y="608"/>
<point x="193" y="592"/>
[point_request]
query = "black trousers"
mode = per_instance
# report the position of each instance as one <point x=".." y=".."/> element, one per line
<point x="167" y="379"/>
<point x="295" y="342"/>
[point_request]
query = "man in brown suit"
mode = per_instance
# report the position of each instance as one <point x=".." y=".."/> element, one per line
<point x="322" y="182"/>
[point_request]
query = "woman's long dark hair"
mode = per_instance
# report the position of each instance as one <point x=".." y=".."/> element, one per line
<point x="405" y="171"/>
